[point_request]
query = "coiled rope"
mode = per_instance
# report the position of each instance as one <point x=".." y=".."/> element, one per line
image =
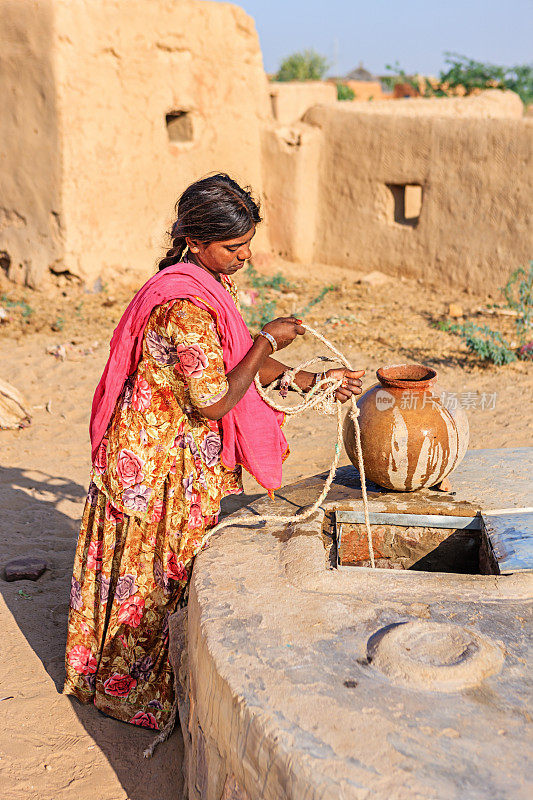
<point x="322" y="397"/>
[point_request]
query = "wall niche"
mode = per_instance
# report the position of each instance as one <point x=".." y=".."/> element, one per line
<point x="407" y="203"/>
<point x="179" y="126"/>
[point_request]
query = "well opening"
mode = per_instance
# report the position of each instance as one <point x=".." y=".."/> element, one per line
<point x="417" y="548"/>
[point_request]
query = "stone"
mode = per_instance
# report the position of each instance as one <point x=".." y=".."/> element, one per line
<point x="435" y="656"/>
<point x="201" y="763"/>
<point x="375" y="278"/>
<point x="444" y="486"/>
<point x="25" y="568"/>
<point x="13" y="408"/>
<point x="455" y="311"/>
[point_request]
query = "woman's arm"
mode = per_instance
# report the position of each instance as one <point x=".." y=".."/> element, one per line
<point x="273" y="369"/>
<point x="284" y="331"/>
<point x="258" y="359"/>
<point x="239" y="379"/>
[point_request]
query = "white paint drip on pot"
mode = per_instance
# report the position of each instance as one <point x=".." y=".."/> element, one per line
<point x="398" y="466"/>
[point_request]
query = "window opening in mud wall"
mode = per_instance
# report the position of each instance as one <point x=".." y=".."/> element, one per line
<point x="179" y="126"/>
<point x="5" y="261"/>
<point x="407" y="199"/>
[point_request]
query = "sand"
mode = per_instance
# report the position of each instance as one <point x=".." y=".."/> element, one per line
<point x="52" y="748"/>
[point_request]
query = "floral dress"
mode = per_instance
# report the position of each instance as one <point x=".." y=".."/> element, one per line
<point x="156" y="486"/>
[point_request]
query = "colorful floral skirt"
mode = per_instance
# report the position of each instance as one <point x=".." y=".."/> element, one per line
<point x="128" y="578"/>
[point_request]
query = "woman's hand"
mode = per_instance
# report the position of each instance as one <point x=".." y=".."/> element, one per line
<point x="284" y="330"/>
<point x="351" y="383"/>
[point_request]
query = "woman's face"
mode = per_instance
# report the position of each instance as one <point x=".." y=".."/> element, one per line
<point x="225" y="257"/>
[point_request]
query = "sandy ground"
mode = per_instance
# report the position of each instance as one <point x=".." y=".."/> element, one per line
<point x="51" y="747"/>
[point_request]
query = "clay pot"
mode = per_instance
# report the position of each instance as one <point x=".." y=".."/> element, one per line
<point x="409" y="438"/>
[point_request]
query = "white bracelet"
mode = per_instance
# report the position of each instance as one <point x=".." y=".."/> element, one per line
<point x="269" y="338"/>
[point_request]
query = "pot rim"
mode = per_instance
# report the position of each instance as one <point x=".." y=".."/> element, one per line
<point x="406" y="376"/>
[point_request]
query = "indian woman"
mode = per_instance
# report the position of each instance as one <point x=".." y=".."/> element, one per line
<point x="175" y="418"/>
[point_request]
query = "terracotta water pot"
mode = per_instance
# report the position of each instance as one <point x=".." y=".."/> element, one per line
<point x="410" y="439"/>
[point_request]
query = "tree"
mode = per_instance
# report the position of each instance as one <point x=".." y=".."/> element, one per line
<point x="465" y="75"/>
<point x="306" y="65"/>
<point x="474" y="75"/>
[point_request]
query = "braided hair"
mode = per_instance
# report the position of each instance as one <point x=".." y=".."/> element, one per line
<point x="212" y="209"/>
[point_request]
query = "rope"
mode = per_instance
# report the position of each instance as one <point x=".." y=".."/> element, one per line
<point x="321" y="397"/>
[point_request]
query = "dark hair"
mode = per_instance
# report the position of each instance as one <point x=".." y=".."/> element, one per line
<point x="211" y="210"/>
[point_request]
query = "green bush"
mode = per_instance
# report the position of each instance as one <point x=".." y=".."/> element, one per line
<point x="258" y="281"/>
<point x="318" y="299"/>
<point x="518" y="292"/>
<point x="265" y="310"/>
<point x="26" y="310"/>
<point x="490" y="345"/>
<point x="474" y="75"/>
<point x="306" y="65"/>
<point x="344" y="92"/>
<point x="470" y="75"/>
<point x="487" y="344"/>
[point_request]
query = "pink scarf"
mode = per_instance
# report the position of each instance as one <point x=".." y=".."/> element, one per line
<point x="251" y="434"/>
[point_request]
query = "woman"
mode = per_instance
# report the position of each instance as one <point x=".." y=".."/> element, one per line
<point x="175" y="417"/>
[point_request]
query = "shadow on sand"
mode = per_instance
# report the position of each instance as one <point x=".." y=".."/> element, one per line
<point x="32" y="524"/>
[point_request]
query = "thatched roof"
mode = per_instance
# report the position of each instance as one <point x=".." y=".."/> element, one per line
<point x="360" y="74"/>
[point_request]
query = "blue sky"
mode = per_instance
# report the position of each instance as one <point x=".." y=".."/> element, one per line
<point x="378" y="32"/>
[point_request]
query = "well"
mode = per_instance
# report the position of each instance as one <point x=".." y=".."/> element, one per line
<point x="307" y="679"/>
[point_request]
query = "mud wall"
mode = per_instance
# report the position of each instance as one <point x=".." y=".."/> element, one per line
<point x="489" y="104"/>
<point x="30" y="205"/>
<point x="365" y="90"/>
<point x="291" y="157"/>
<point x="138" y="105"/>
<point x="437" y="197"/>
<point x="291" y="99"/>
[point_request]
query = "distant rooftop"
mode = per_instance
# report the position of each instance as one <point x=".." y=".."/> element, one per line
<point x="360" y="74"/>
